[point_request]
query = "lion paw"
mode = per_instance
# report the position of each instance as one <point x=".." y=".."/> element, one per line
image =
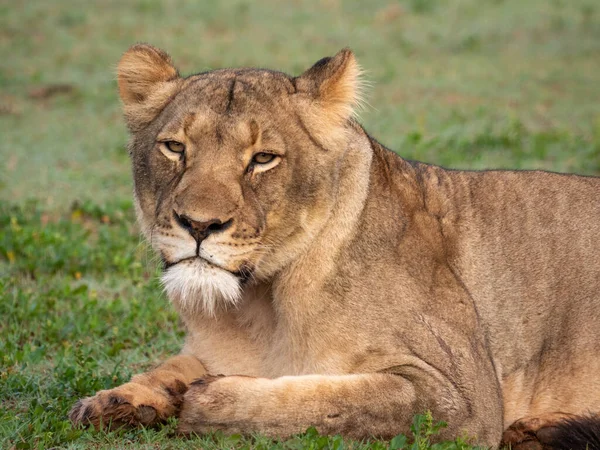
<point x="533" y="433"/>
<point x="129" y="405"/>
<point x="213" y="402"/>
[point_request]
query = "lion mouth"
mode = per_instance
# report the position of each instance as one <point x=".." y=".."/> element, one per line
<point x="244" y="273"/>
<point x="168" y="264"/>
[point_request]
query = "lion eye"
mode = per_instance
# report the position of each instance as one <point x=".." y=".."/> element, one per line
<point x="262" y="162"/>
<point x="263" y="158"/>
<point x="175" y="147"/>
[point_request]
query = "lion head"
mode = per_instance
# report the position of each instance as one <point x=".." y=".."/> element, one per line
<point x="235" y="170"/>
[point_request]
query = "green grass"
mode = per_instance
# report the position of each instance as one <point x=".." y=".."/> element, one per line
<point x="465" y="84"/>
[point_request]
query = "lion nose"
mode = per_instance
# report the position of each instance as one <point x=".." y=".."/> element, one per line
<point x="200" y="230"/>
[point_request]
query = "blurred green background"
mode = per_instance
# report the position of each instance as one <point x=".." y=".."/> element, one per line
<point x="462" y="83"/>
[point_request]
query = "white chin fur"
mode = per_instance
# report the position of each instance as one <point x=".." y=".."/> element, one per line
<point x="196" y="286"/>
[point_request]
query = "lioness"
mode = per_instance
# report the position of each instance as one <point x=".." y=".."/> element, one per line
<point x="337" y="285"/>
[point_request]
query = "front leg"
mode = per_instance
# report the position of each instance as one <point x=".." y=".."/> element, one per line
<point x="147" y="399"/>
<point x="358" y="406"/>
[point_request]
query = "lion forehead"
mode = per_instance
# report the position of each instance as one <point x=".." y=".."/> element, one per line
<point x="228" y="91"/>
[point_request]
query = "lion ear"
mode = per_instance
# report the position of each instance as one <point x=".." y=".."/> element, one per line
<point x="147" y="80"/>
<point x="335" y="82"/>
<point x="334" y="90"/>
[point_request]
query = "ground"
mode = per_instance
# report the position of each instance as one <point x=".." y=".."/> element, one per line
<point x="467" y="84"/>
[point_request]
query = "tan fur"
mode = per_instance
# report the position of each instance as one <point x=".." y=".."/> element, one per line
<point x="146" y="80"/>
<point x="147" y="399"/>
<point x="335" y="91"/>
<point x="367" y="288"/>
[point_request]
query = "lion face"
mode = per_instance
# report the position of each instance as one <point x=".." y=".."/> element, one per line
<point x="235" y="171"/>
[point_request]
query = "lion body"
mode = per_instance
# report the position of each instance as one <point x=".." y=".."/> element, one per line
<point x="350" y="288"/>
